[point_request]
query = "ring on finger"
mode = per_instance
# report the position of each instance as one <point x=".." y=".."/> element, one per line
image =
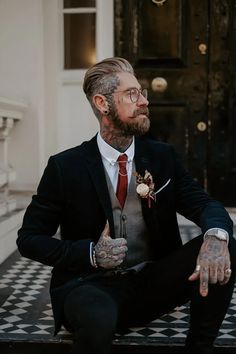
<point x="197" y="268"/>
<point x="228" y="271"/>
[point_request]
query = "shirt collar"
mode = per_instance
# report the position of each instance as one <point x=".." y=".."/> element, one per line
<point x="111" y="154"/>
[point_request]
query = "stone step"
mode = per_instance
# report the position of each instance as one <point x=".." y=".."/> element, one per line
<point x="39" y="347"/>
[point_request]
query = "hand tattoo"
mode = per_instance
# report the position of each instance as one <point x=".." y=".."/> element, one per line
<point x="212" y="264"/>
<point x="110" y="252"/>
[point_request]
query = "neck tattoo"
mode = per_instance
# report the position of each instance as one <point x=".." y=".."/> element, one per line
<point x="115" y="139"/>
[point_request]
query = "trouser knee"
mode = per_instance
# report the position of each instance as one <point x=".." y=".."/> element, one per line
<point x="103" y="322"/>
<point x="90" y="309"/>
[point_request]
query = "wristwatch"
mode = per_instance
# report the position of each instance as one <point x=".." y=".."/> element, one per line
<point x="220" y="234"/>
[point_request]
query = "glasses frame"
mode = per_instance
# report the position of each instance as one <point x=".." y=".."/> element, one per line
<point x="143" y="92"/>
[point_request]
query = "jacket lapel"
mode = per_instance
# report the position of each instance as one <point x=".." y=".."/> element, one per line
<point x="143" y="163"/>
<point x="97" y="173"/>
<point x="141" y="157"/>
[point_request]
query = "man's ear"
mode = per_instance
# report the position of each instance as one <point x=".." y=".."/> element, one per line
<point x="100" y="103"/>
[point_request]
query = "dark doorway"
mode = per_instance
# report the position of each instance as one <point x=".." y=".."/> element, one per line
<point x="183" y="52"/>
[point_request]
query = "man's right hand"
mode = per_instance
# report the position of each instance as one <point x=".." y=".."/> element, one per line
<point x="110" y="252"/>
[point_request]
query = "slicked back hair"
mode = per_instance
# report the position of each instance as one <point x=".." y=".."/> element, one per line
<point x="101" y="78"/>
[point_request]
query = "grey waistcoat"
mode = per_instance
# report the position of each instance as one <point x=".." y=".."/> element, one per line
<point x="129" y="224"/>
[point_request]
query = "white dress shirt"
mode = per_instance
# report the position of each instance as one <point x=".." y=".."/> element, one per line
<point x="109" y="159"/>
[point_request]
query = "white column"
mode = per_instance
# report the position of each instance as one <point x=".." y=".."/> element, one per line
<point x="10" y="113"/>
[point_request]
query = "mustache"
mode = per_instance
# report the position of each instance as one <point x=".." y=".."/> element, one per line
<point x="143" y="110"/>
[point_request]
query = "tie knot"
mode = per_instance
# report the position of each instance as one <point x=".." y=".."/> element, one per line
<point x="122" y="158"/>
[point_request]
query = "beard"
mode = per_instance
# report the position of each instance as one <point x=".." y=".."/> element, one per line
<point x="136" y="126"/>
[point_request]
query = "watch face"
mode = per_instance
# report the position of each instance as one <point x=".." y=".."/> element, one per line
<point x="221" y="235"/>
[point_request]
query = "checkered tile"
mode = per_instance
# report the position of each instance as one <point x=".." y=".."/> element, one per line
<point x="25" y="310"/>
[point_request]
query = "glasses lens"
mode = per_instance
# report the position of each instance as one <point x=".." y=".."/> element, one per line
<point x="134" y="95"/>
<point x="145" y="93"/>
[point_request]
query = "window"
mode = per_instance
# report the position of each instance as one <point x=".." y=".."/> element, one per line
<point x="79" y="33"/>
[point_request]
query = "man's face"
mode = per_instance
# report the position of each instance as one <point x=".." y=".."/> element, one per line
<point x="131" y="118"/>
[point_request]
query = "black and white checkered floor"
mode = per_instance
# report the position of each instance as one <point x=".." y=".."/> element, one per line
<point x="25" y="310"/>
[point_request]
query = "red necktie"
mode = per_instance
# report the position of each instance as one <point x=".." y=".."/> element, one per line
<point x="122" y="184"/>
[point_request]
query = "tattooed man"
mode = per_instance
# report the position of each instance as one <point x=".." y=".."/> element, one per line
<point x="120" y="261"/>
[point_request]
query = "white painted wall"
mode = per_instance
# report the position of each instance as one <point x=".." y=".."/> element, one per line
<point x="21" y="73"/>
<point x="31" y="70"/>
<point x="51" y="22"/>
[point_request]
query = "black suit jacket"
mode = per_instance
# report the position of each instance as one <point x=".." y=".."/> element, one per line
<point x="73" y="195"/>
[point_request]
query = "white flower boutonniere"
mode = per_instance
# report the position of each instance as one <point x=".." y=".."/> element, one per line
<point x="145" y="187"/>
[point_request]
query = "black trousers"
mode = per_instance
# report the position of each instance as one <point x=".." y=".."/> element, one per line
<point x="99" y="307"/>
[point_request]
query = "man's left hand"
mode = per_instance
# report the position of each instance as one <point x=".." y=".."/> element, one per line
<point x="213" y="264"/>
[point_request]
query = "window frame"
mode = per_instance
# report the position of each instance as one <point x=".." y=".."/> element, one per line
<point x="104" y="40"/>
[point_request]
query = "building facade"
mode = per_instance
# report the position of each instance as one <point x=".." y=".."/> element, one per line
<point x="182" y="51"/>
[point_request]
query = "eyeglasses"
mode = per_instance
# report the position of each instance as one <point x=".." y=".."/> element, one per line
<point x="134" y="93"/>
